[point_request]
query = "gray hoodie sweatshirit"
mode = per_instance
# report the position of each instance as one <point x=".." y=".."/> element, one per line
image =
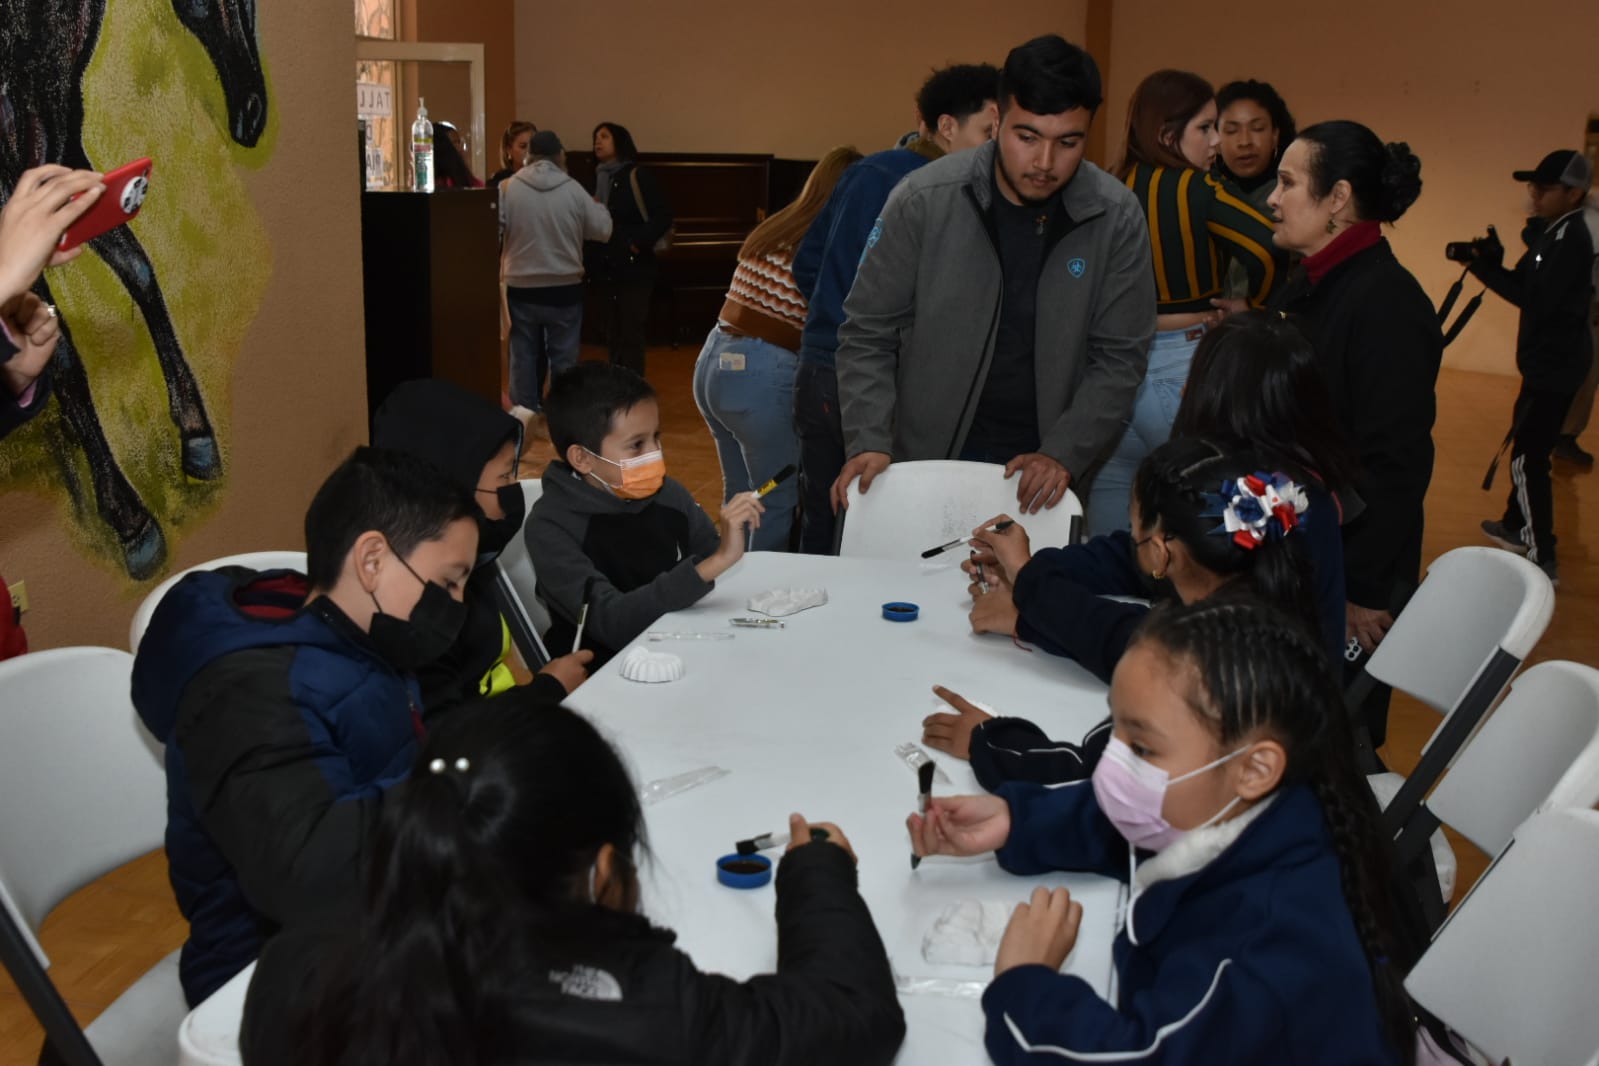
<point x="545" y="217"/>
<point x="921" y="319"/>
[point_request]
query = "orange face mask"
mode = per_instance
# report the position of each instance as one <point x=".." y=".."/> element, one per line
<point x="642" y="476"/>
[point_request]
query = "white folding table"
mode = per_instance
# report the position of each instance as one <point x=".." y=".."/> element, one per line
<point x="806" y="718"/>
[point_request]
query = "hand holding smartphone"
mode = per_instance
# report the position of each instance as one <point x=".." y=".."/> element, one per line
<point x="125" y="189"/>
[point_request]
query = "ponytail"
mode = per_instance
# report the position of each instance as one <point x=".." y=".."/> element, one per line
<point x="1258" y="671"/>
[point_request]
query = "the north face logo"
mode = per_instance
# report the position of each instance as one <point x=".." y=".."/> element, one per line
<point x="1077" y="267"/>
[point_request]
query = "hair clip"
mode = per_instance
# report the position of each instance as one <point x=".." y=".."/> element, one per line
<point x="462" y="765"/>
<point x="437" y="766"/>
<point x="1255" y="507"/>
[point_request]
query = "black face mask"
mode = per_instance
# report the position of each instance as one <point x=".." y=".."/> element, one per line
<point x="493" y="534"/>
<point x="435" y="622"/>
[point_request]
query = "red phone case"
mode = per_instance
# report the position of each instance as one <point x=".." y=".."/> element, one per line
<point x="124" y="193"/>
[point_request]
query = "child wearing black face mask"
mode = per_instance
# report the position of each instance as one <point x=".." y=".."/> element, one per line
<point x="474" y="442"/>
<point x="288" y="705"/>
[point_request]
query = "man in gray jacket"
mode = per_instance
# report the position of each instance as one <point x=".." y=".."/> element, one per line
<point x="1004" y="308"/>
<point x="545" y="216"/>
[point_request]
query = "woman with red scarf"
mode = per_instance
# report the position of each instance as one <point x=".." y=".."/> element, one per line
<point x="1377" y="340"/>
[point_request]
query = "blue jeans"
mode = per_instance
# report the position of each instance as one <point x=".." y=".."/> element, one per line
<point x="1154" y="410"/>
<point x="745" y="389"/>
<point x="545" y="340"/>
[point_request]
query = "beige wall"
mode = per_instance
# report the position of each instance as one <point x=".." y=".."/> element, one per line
<point x="1477" y="87"/>
<point x="485" y="22"/>
<point x="721" y="76"/>
<point x="293" y="402"/>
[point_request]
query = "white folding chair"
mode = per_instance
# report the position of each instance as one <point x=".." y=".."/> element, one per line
<point x="209" y="1036"/>
<point x="1511" y="970"/>
<point x="1539" y="750"/>
<point x="84" y="791"/>
<point x="516" y="587"/>
<point x="1454" y="647"/>
<point x="915" y="505"/>
<point x="272" y="560"/>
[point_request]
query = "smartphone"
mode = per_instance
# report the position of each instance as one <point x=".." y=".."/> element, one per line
<point x="125" y="188"/>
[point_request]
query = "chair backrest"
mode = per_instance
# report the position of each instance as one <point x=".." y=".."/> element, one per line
<point x="517" y="565"/>
<point x="81" y="781"/>
<point x="1539" y="750"/>
<point x="273" y="560"/>
<point x="1475" y="603"/>
<point x="915" y="505"/>
<point x="1511" y="969"/>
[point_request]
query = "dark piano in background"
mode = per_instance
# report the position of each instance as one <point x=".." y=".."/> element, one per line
<point x="716" y="201"/>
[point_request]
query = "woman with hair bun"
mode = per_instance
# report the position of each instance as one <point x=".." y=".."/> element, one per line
<point x="1377" y="341"/>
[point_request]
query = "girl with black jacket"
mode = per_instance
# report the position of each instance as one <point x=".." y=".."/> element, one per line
<point x="623" y="269"/>
<point x="501" y="927"/>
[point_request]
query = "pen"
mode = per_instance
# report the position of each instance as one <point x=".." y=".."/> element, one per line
<point x="997" y="527"/>
<point x="582" y="615"/>
<point x="982" y="582"/>
<point x="924" y="783"/>
<point x="757" y="623"/>
<point x="777" y="479"/>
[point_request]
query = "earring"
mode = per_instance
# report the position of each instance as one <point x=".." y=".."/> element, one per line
<point x="1158" y="575"/>
<point x="1332" y="227"/>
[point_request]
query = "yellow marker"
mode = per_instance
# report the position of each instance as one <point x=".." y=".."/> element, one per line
<point x="781" y="476"/>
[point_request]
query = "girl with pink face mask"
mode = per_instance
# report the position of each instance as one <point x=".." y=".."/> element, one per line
<point x="1260" y="926"/>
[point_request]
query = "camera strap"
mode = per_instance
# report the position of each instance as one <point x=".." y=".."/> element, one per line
<point x="1465" y="316"/>
<point x="1517" y="418"/>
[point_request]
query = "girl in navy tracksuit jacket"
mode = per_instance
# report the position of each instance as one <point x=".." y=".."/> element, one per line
<point x="1292" y="561"/>
<point x="1258" y="928"/>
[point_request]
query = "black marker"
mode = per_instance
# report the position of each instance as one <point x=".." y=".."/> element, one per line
<point x="582" y="615"/>
<point x="777" y="479"/>
<point x="924" y="797"/>
<point x="997" y="527"/>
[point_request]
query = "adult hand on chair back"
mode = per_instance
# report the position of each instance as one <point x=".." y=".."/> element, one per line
<point x="866" y="466"/>
<point x="1044" y="481"/>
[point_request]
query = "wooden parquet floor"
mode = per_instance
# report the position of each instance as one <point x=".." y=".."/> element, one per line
<point x="104" y="936"/>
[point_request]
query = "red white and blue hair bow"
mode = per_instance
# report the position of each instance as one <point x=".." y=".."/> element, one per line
<point x="1257" y="507"/>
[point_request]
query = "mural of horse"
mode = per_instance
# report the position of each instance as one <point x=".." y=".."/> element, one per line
<point x="45" y="48"/>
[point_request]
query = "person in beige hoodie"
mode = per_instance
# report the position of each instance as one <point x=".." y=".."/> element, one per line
<point x="545" y="216"/>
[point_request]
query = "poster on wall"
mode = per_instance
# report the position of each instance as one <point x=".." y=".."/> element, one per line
<point x="134" y="440"/>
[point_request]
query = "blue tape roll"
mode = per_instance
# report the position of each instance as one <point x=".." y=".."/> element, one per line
<point x="901" y="612"/>
<point x="743" y="878"/>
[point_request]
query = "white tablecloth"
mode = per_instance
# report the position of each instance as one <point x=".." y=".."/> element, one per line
<point x="806" y="718"/>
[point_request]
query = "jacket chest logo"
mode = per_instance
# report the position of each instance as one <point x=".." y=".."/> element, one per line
<point x="1077" y="267"/>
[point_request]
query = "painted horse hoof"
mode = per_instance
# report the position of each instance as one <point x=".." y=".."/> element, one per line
<point x="202" y="459"/>
<point x="145" y="551"/>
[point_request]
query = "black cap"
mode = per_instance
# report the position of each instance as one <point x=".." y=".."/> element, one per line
<point x="1564" y="167"/>
<point x="544" y="145"/>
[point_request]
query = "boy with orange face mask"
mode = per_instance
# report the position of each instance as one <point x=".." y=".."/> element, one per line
<point x="612" y="532"/>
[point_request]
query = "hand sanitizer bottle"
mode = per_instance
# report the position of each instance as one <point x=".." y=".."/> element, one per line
<point x="421" y="150"/>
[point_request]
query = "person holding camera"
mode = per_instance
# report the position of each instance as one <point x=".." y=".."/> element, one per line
<point x="1553" y="285"/>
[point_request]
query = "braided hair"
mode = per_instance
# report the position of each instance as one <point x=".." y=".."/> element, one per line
<point x="1258" y="672"/>
<point x="1175" y="488"/>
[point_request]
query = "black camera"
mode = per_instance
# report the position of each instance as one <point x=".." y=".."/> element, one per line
<point x="1470" y="251"/>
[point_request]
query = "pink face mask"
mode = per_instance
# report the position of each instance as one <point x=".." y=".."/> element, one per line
<point x="1132" y="793"/>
